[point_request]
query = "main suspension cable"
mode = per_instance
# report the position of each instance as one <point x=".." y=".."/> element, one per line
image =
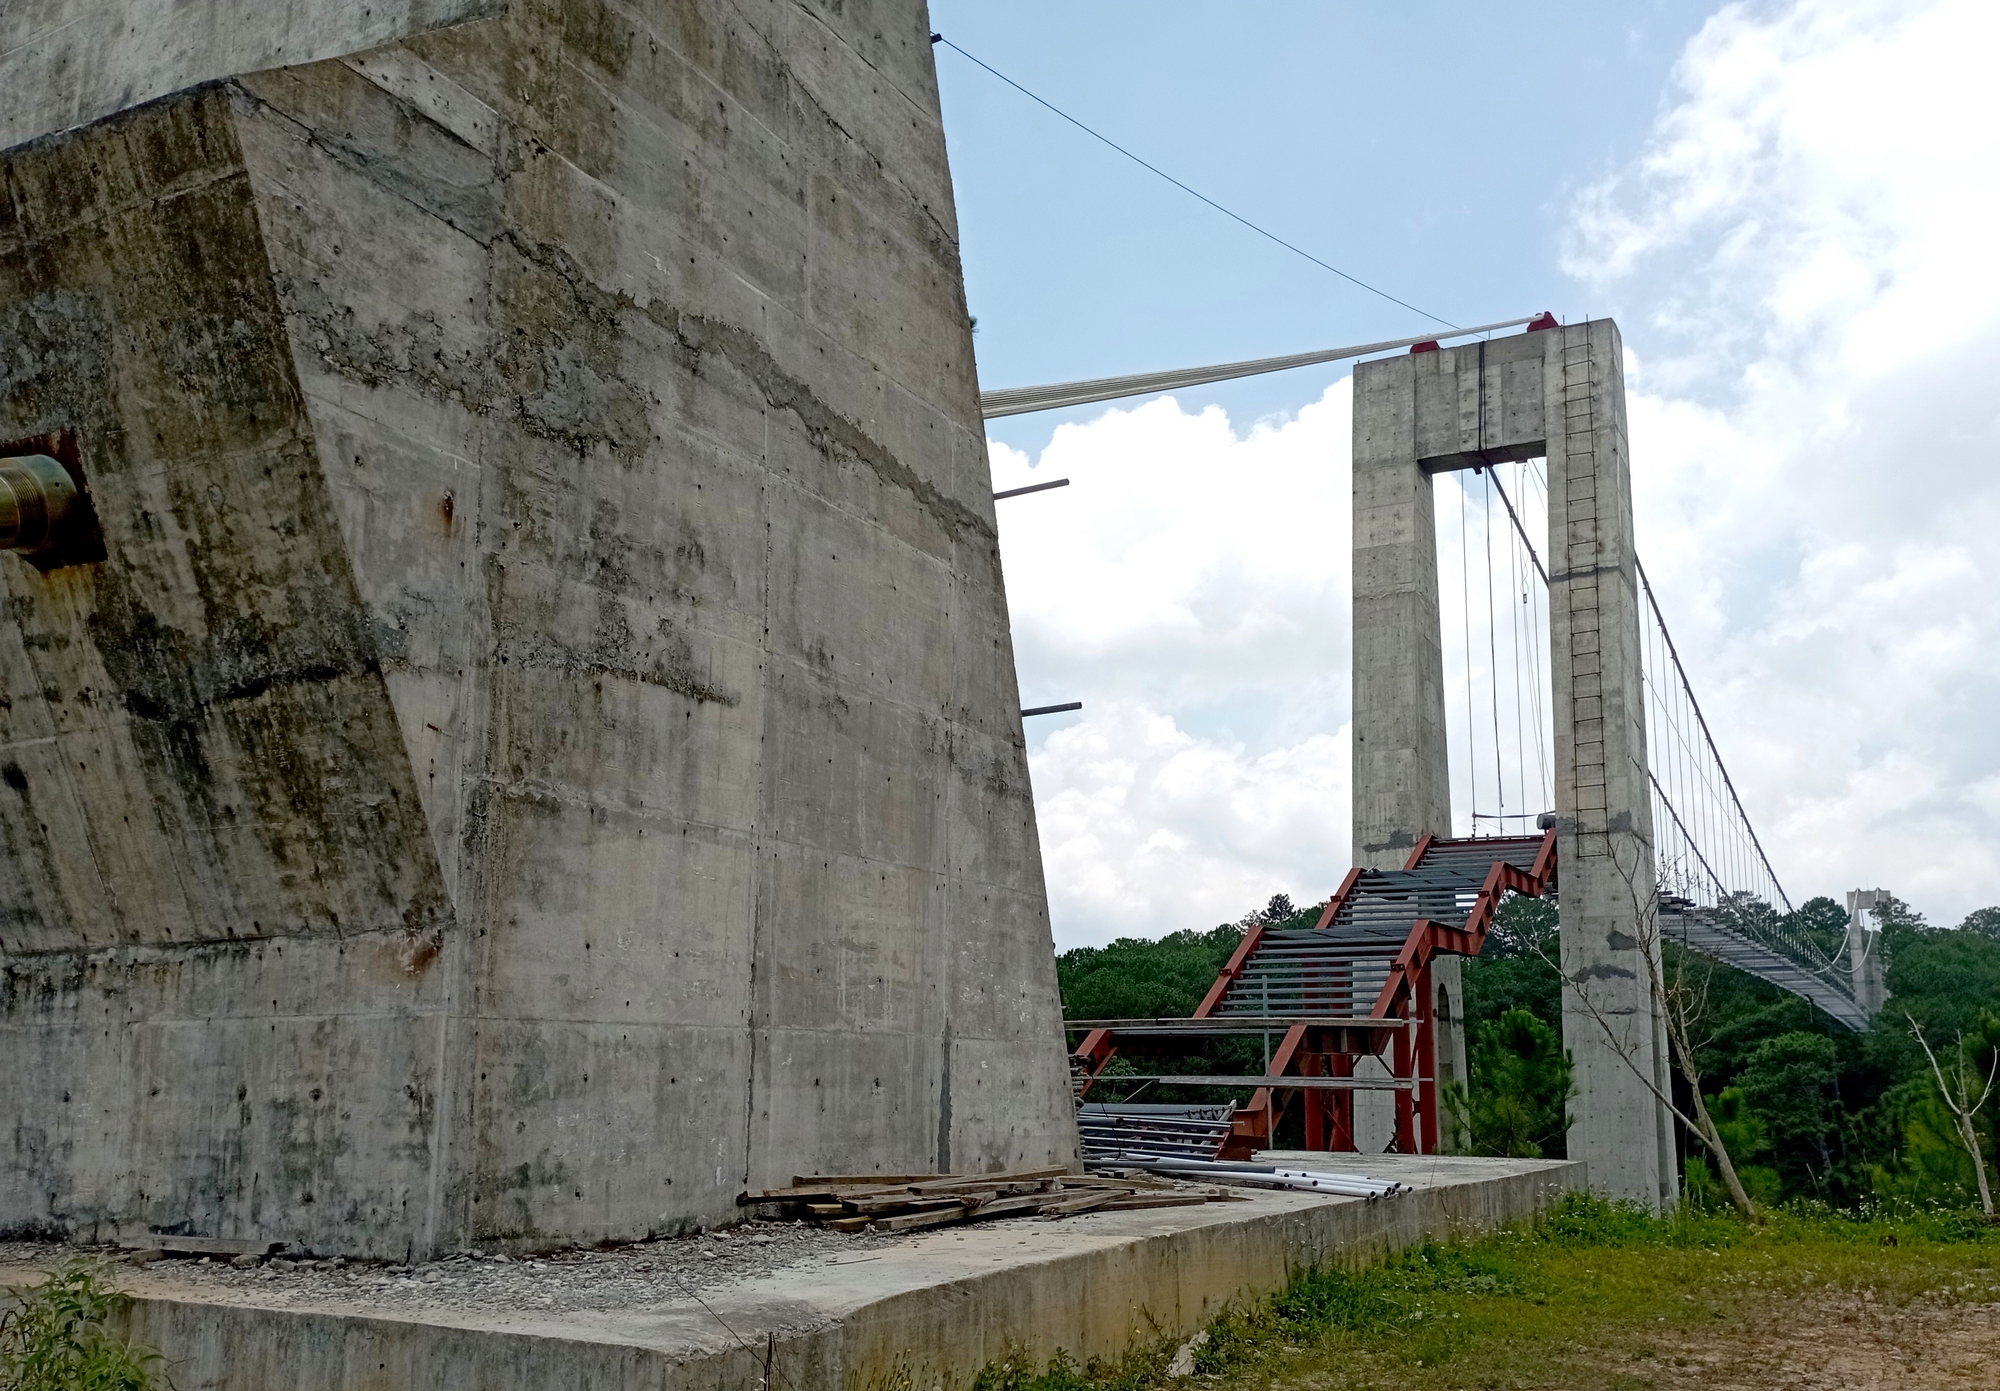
<point x="1153" y="168"/>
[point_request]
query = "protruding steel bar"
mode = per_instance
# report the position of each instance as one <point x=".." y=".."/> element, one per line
<point x="1032" y="488"/>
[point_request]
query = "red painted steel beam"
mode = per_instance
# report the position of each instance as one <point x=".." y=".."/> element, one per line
<point x="1098" y="1050"/>
<point x="1230" y="971"/>
<point x="1423" y="849"/>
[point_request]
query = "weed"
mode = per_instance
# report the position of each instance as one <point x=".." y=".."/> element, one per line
<point x="58" y="1336"/>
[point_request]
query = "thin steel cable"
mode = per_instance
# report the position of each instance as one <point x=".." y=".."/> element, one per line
<point x="1734" y="836"/>
<point x="1514" y="638"/>
<point x="1233" y="216"/>
<point x="1537" y="625"/>
<point x="1521" y="531"/>
<point x="1465" y="613"/>
<point x="1695" y="705"/>
<point x="1492" y="647"/>
<point x="1695" y="770"/>
<point x="1690" y="796"/>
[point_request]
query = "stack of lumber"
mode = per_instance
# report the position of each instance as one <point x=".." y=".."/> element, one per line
<point x="905" y="1202"/>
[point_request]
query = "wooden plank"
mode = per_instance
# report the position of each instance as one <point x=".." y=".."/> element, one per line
<point x="1139" y="1200"/>
<point x="1022" y="1182"/>
<point x="912" y="1221"/>
<point x="827" y="1209"/>
<point x="825" y="1193"/>
<point x="901" y="1202"/>
<point x="1084" y="1203"/>
<point x="864" y="1180"/>
<point x="1013" y="1190"/>
<point x="1135" y="1180"/>
<point x="849" y="1224"/>
<point x="1017" y="1175"/>
<point x="811" y="1192"/>
<point x="1009" y="1207"/>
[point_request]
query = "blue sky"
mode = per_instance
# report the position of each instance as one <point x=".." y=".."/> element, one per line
<point x="1787" y="205"/>
<point x="1431" y="151"/>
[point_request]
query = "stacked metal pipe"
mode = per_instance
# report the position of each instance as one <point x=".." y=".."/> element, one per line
<point x="1265" y="1175"/>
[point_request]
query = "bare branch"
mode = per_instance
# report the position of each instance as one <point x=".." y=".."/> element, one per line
<point x="1961" y="1110"/>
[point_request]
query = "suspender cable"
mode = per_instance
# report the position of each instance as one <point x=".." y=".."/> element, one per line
<point x="1465" y="613"/>
<point x="1492" y="647"/>
<point x="1519" y="530"/>
<point x="1514" y="637"/>
<point x="1709" y="737"/>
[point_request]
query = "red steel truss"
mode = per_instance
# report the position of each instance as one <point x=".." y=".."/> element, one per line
<point x="1356" y="985"/>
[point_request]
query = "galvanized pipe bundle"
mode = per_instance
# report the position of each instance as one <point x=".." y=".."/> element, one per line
<point x="1265" y="1175"/>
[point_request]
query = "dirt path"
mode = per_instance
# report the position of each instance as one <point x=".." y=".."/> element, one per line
<point x="1842" y="1341"/>
<point x="1831" y="1340"/>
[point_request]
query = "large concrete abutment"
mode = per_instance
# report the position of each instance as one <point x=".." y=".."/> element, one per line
<point x="1556" y="393"/>
<point x="541" y="749"/>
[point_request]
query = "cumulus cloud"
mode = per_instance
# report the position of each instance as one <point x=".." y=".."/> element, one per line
<point x="1811" y="309"/>
<point x="1191" y="587"/>
<point x="1149" y="829"/>
<point x="1813" y="428"/>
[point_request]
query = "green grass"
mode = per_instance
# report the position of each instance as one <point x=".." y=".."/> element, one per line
<point x="58" y="1336"/>
<point x="1591" y="1296"/>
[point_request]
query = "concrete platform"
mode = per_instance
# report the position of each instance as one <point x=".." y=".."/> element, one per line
<point x="926" y="1311"/>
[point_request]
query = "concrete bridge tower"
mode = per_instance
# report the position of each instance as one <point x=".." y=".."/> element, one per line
<point x="529" y="743"/>
<point x="1559" y="393"/>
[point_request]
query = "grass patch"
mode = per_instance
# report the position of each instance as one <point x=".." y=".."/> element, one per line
<point x="1592" y="1295"/>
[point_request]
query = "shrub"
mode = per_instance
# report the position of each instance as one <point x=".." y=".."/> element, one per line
<point x="58" y="1337"/>
<point x="1520" y="1085"/>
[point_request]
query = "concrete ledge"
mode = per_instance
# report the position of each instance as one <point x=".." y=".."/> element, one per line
<point x="927" y="1312"/>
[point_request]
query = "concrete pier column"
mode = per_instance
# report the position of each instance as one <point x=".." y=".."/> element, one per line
<point x="1612" y="1023"/>
<point x="1559" y="393"/>
<point x="1402" y="784"/>
<point x="1864" y="948"/>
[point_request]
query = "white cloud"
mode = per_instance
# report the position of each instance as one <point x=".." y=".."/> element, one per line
<point x="1813" y="310"/>
<point x="1147" y="829"/>
<point x="1813" y="428"/>
<point x="1191" y="587"/>
<point x="1185" y="563"/>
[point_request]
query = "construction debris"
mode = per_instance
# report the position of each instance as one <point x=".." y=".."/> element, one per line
<point x="910" y="1202"/>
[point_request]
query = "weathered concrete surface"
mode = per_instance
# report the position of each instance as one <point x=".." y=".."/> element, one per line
<point x="1612" y="1021"/>
<point x="66" y="63"/>
<point x="1401" y="780"/>
<point x="543" y="751"/>
<point x="927" y="1312"/>
<point x="1558" y="393"/>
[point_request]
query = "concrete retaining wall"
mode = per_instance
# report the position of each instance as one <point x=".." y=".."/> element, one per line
<point x="929" y="1314"/>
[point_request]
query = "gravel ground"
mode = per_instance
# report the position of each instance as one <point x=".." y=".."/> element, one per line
<point x="648" y="1273"/>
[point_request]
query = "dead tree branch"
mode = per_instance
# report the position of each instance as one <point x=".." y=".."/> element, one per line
<point x="1957" y="1094"/>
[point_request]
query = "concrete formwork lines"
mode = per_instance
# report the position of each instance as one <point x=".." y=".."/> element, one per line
<point x="1612" y="1016"/>
<point x="665" y="759"/>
